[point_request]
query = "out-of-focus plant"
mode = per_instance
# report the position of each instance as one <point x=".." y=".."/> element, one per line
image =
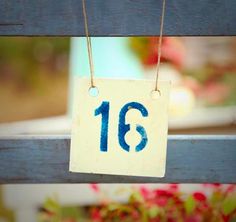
<point x="157" y="205"/>
<point x="53" y="212"/>
<point x="23" y="60"/>
<point x="212" y="84"/>
<point x="145" y="49"/>
<point x="216" y="83"/>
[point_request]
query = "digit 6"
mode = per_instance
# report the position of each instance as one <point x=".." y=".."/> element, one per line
<point x="123" y="128"/>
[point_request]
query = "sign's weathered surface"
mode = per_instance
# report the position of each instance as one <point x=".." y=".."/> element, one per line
<point x="122" y="130"/>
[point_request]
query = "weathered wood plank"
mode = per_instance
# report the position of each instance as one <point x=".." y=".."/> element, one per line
<point x="45" y="159"/>
<point x="117" y="18"/>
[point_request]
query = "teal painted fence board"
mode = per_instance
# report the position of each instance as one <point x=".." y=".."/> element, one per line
<point x="45" y="159"/>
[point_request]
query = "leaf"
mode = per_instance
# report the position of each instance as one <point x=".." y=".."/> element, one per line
<point x="189" y="204"/>
<point x="135" y="197"/>
<point x="51" y="205"/>
<point x="229" y="204"/>
<point x="217" y="197"/>
<point x="113" y="206"/>
<point x="71" y="212"/>
<point x="153" y="211"/>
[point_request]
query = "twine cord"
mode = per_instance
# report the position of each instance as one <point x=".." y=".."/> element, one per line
<point x="89" y="45"/>
<point x="160" y="44"/>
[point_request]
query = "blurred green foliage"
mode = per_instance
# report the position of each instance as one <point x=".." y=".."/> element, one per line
<point x="23" y="59"/>
<point x="145" y="204"/>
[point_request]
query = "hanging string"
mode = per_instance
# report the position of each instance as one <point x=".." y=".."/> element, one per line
<point x="159" y="44"/>
<point x="89" y="45"/>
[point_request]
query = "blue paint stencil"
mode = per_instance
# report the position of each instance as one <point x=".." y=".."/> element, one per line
<point x="104" y="110"/>
<point x="144" y="140"/>
<point x="124" y="128"/>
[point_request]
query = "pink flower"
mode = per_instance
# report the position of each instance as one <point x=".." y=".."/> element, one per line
<point x="144" y="192"/>
<point x="164" y="193"/>
<point x="214" y="185"/>
<point x="225" y="218"/>
<point x="96" y="215"/>
<point x="199" y="196"/>
<point x="161" y="201"/>
<point x="150" y="60"/>
<point x="135" y="214"/>
<point x="173" y="187"/>
<point x="94" y="187"/>
<point x="230" y="188"/>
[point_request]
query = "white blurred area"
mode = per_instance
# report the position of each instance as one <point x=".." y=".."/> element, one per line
<point x="219" y="50"/>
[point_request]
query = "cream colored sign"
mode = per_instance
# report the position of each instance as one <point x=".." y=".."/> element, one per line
<point x="122" y="130"/>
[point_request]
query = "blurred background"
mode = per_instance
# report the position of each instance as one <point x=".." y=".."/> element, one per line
<point x="33" y="77"/>
<point x="37" y="76"/>
<point x="36" y="91"/>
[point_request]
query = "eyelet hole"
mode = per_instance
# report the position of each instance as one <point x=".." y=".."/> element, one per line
<point x="93" y="91"/>
<point x="155" y="94"/>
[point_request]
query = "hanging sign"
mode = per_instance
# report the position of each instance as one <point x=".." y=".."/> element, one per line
<point x="122" y="130"/>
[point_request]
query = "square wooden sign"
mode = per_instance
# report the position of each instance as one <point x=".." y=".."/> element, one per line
<point x="122" y="130"/>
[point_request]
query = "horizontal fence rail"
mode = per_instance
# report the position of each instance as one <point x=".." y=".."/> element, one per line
<point x="45" y="159"/>
<point x="117" y="18"/>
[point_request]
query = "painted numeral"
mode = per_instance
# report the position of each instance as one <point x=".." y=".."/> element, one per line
<point x="104" y="110"/>
<point x="123" y="128"/>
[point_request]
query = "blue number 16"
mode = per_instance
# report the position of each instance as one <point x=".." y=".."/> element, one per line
<point x="123" y="128"/>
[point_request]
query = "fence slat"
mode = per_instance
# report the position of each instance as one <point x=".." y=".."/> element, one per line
<point x="117" y="18"/>
<point x="45" y="159"/>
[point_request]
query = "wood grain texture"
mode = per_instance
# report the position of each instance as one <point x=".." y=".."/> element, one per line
<point x="117" y="18"/>
<point x="45" y="159"/>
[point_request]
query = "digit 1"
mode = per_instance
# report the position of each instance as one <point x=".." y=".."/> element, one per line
<point x="104" y="110"/>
